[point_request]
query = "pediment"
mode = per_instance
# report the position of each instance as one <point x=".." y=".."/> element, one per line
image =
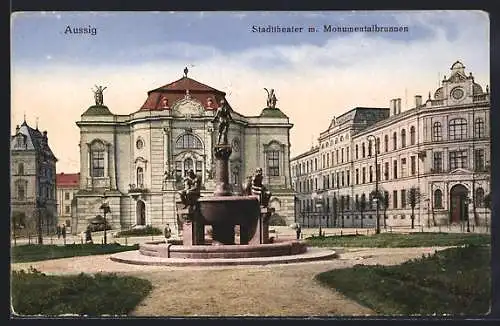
<point x="460" y="171"/>
<point x="457" y="78"/>
<point x="188" y="107"/>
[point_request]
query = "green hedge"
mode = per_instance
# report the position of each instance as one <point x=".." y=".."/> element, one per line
<point x="34" y="293"/>
<point x="148" y="230"/>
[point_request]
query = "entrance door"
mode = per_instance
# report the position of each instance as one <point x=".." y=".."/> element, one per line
<point x="458" y="194"/>
<point x="141" y="213"/>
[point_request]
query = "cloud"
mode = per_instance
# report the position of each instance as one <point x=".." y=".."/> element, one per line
<point x="312" y="82"/>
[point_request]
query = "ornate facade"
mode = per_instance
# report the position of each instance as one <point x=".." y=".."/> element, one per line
<point x="136" y="162"/>
<point x="440" y="147"/>
<point x="32" y="182"/>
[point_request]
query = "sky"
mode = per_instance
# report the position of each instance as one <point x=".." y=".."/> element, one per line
<point x="316" y="75"/>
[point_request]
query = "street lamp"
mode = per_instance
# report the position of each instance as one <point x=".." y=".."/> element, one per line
<point x="105" y="208"/>
<point x="376" y="199"/>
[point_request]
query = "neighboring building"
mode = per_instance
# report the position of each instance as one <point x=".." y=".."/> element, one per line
<point x="32" y="181"/>
<point x="441" y="147"/>
<point x="68" y="185"/>
<point x="136" y="162"/>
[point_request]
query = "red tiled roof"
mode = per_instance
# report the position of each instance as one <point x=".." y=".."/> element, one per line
<point x="186" y="83"/>
<point x="67" y="180"/>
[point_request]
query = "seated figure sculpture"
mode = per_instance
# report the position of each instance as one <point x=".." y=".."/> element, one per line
<point x="256" y="188"/>
<point x="191" y="192"/>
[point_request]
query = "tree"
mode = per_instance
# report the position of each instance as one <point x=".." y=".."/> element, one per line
<point x="362" y="207"/>
<point x="414" y="196"/>
<point x="334" y="209"/>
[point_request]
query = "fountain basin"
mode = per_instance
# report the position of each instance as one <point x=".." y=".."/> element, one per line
<point x="229" y="210"/>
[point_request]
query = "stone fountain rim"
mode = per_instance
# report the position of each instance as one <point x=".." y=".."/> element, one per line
<point x="227" y="198"/>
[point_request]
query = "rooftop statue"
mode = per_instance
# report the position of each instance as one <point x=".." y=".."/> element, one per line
<point x="271" y="98"/>
<point x="98" y="95"/>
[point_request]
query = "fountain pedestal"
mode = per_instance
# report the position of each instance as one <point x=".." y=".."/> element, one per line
<point x="193" y="229"/>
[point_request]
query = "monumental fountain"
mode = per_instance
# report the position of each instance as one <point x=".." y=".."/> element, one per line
<point x="223" y="211"/>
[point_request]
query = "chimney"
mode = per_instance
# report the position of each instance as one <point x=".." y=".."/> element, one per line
<point x="399" y="105"/>
<point x="392" y="107"/>
<point x="17" y="129"/>
<point x="45" y="140"/>
<point x="418" y="100"/>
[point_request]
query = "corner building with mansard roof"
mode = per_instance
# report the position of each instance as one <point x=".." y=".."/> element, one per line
<point x="440" y="146"/>
<point x="136" y="162"/>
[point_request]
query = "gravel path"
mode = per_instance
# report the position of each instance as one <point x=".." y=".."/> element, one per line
<point x="272" y="290"/>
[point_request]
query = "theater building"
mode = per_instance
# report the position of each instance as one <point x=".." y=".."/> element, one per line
<point x="440" y="146"/>
<point x="136" y="162"/>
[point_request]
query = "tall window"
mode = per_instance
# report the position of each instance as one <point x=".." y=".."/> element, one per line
<point x="188" y="165"/>
<point x="342" y="155"/>
<point x="437" y="132"/>
<point x="327" y="159"/>
<point x="273" y="161"/>
<point x="66" y="196"/>
<point x="394" y="141"/>
<point x="479" y="128"/>
<point x="403" y="167"/>
<point x="342" y="177"/>
<point x="479" y="198"/>
<point x="356" y="152"/>
<point x="412" y="135"/>
<point x="357" y="176"/>
<point x="457" y="129"/>
<point x="403" y="138"/>
<point x="347" y="154"/>
<point x="413" y="165"/>
<point x="337" y="156"/>
<point x="338" y="180"/>
<point x="363" y="151"/>
<point x="458" y="159"/>
<point x="140" y="177"/>
<point x="438" y="199"/>
<point x="97" y="151"/>
<point x="21" y="191"/>
<point x="386" y="143"/>
<point x="479" y="159"/>
<point x="178" y="168"/>
<point x="316" y="164"/>
<point x="371" y="173"/>
<point x="369" y="148"/>
<point x="377" y="145"/>
<point x="20" y="168"/>
<point x="395" y="167"/>
<point x="348" y="173"/>
<point x="395" y="199"/>
<point x="386" y="170"/>
<point x="188" y="141"/>
<point x="403" y="198"/>
<point x="438" y="161"/>
<point x="199" y="168"/>
<point x="363" y="175"/>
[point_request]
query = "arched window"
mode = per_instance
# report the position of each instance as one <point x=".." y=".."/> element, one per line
<point x="403" y="138"/>
<point x="479" y="198"/>
<point x="356" y="151"/>
<point x="21" y="191"/>
<point x="20" y="168"/>
<point x="412" y="135"/>
<point x="140" y="177"/>
<point x="377" y="145"/>
<point x="363" y="151"/>
<point x="438" y="199"/>
<point x="394" y="141"/>
<point x="386" y="143"/>
<point x="457" y="129"/>
<point x="479" y="128"/>
<point x="437" y="134"/>
<point x="97" y="164"/>
<point x="369" y="148"/>
<point x="188" y="141"/>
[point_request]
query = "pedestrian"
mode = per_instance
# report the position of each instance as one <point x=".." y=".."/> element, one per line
<point x="63" y="231"/>
<point x="88" y="235"/>
<point x="167" y="232"/>
<point x="298" y="230"/>
<point x="58" y="230"/>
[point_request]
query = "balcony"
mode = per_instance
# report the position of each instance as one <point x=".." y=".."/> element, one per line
<point x="137" y="189"/>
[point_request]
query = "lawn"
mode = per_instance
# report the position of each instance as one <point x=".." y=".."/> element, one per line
<point x="29" y="253"/>
<point x="397" y="240"/>
<point x="453" y="281"/>
<point x="34" y="293"/>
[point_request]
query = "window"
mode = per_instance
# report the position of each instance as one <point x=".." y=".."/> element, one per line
<point x="316" y="164"/>
<point x="386" y="171"/>
<point x="458" y="159"/>
<point x="457" y="129"/>
<point x="140" y="177"/>
<point x="363" y="152"/>
<point x="438" y="162"/>
<point x="437" y="134"/>
<point x="386" y="200"/>
<point x="66" y="196"/>
<point x="403" y="138"/>
<point x="20" y="169"/>
<point x="342" y="155"/>
<point x="315" y="183"/>
<point x="347" y="202"/>
<point x="371" y="173"/>
<point x="273" y="161"/>
<point x="333" y="180"/>
<point x="413" y="165"/>
<point x="356" y="152"/>
<point x="188" y="141"/>
<point x="377" y="145"/>
<point x="347" y="153"/>
<point x="479" y="198"/>
<point x="403" y="198"/>
<point x="386" y="143"/>
<point x="357" y="176"/>
<point x="403" y="167"/>
<point x="369" y="148"/>
<point x="338" y="180"/>
<point x="478" y="128"/>
<point x="377" y="172"/>
<point x="337" y="156"/>
<point x="412" y="135"/>
<point x="327" y="159"/>
<point x="394" y="141"/>
<point x="347" y="177"/>
<point x="363" y="175"/>
<point x="97" y="151"/>
<point x="342" y="174"/>
<point x="395" y="199"/>
<point x="67" y="209"/>
<point x="178" y="168"/>
<point x="438" y="199"/>
<point x="21" y="191"/>
<point x="479" y="159"/>
<point x="395" y="169"/>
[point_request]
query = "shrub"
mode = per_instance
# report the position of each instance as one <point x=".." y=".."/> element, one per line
<point x="148" y="230"/>
<point x="277" y="220"/>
